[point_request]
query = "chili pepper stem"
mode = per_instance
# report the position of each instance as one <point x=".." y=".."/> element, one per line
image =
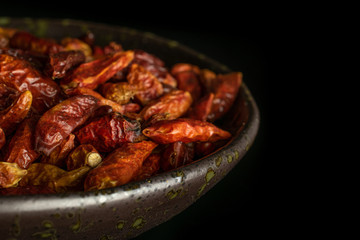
<point x="93" y="159"/>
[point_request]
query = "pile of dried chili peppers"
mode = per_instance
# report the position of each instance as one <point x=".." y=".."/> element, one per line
<point x="75" y="116"/>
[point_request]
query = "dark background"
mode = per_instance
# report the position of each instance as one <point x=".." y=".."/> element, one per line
<point x="243" y="202"/>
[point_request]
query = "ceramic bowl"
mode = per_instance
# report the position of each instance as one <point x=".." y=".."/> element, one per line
<point x="127" y="211"/>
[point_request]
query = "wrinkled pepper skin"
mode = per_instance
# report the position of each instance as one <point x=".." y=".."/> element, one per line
<point x="175" y="155"/>
<point x="147" y="85"/>
<point x="123" y="109"/>
<point x="173" y="104"/>
<point x="10" y="174"/>
<point x="109" y="132"/>
<point x="70" y="180"/>
<point x="54" y="178"/>
<point x="37" y="60"/>
<point x="154" y="65"/>
<point x="120" y="93"/>
<point x="185" y="130"/>
<point x="94" y="73"/>
<point x="27" y="41"/>
<point x="7" y="96"/>
<point x="57" y="123"/>
<point x="75" y="44"/>
<point x="58" y="155"/>
<point x="119" y="167"/>
<point x="151" y="166"/>
<point x="2" y="138"/>
<point x="21" y="147"/>
<point x="21" y="75"/>
<point x="226" y="90"/>
<point x="40" y="174"/>
<point x="13" y="115"/>
<point x="62" y="62"/>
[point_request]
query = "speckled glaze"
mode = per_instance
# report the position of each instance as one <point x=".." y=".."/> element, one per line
<point x="127" y="211"/>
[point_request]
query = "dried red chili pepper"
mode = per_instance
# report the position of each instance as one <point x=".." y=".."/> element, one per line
<point x="10" y="174"/>
<point x="70" y="181"/>
<point x="187" y="77"/>
<point x="184" y="67"/>
<point x="58" y="155"/>
<point x="109" y="132"/>
<point x="123" y="109"/>
<point x="147" y="85"/>
<point x="7" y="96"/>
<point x="21" y="147"/>
<point x="41" y="174"/>
<point x="175" y="155"/>
<point x="119" y="167"/>
<point x="57" y="123"/>
<point x="201" y="109"/>
<point x="83" y="155"/>
<point x="154" y="65"/>
<point x="2" y="138"/>
<point x="150" y="166"/>
<point x="188" y="81"/>
<point x="51" y="177"/>
<point x="227" y="87"/>
<point x="173" y="104"/>
<point x="75" y="44"/>
<point x="37" y="60"/>
<point x="98" y="52"/>
<point x="208" y="80"/>
<point x="5" y="35"/>
<point x="14" y="114"/>
<point x="204" y="148"/>
<point x="120" y="93"/>
<point x="185" y="130"/>
<point x="21" y="75"/>
<point x="94" y="73"/>
<point x="62" y="62"/>
<point x="27" y="41"/>
<point x="112" y="48"/>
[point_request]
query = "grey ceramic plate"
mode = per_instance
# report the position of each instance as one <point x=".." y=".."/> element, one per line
<point x="129" y="210"/>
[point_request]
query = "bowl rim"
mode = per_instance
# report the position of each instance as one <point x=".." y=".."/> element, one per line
<point x="249" y="131"/>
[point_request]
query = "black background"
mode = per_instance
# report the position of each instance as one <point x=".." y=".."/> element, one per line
<point x="240" y="38"/>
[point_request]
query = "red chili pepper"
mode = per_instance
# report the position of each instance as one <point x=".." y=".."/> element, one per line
<point x="13" y="115"/>
<point x="119" y="167"/>
<point x="147" y="85"/>
<point x="173" y="105"/>
<point x="109" y="132"/>
<point x="94" y="73"/>
<point x="57" y="123"/>
<point x="27" y="41"/>
<point x="185" y="130"/>
<point x="21" y="75"/>
<point x="21" y="147"/>
<point x="62" y="62"/>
